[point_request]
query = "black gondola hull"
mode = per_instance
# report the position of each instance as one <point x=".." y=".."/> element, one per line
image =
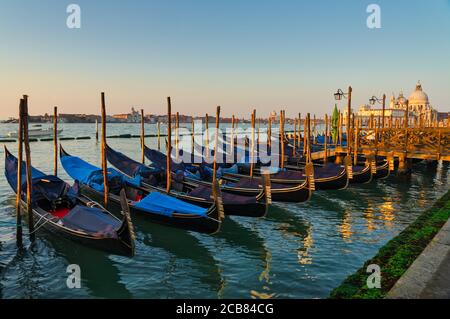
<point x="382" y="171"/>
<point x="332" y="183"/>
<point x="362" y="177"/>
<point x="111" y="245"/>
<point x="295" y="194"/>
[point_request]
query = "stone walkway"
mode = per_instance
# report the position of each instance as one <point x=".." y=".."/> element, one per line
<point x="429" y="275"/>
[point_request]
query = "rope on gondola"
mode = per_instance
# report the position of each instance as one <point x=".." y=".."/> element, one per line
<point x="38" y="227"/>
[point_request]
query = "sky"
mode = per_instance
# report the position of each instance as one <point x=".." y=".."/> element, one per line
<point x="239" y="54"/>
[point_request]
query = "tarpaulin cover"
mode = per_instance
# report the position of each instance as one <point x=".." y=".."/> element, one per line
<point x="92" y="176"/>
<point x="91" y="220"/>
<point x="160" y="160"/>
<point x="43" y="186"/>
<point x="167" y="205"/>
<point x="207" y="171"/>
<point x="128" y="165"/>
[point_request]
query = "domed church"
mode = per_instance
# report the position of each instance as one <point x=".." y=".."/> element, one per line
<point x="418" y="102"/>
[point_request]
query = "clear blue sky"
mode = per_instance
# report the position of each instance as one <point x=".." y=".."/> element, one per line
<point x="238" y="54"/>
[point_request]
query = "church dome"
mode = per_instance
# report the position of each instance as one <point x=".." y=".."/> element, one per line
<point x="418" y="97"/>
<point x="401" y="99"/>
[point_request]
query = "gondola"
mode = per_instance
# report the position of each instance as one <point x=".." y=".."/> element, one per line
<point x="361" y="174"/>
<point x="247" y="186"/>
<point x="326" y="177"/>
<point x="201" y="195"/>
<point x="381" y="164"/>
<point x="58" y="208"/>
<point x="155" y="206"/>
<point x="383" y="170"/>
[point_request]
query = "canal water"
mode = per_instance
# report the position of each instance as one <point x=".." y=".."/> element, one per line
<point x="299" y="251"/>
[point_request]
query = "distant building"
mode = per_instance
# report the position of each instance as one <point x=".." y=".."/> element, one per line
<point x="418" y="104"/>
<point x="133" y="117"/>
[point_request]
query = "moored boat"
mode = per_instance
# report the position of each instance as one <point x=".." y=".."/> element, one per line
<point x="152" y="178"/>
<point x="58" y="208"/>
<point x="153" y="205"/>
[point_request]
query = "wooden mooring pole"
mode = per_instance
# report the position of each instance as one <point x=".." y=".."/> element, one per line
<point x="177" y="134"/>
<point x="169" y="144"/>
<point x="103" y="157"/>
<point x="96" y="130"/>
<point x="252" y="146"/>
<point x="26" y="141"/>
<point x="19" y="239"/>
<point x="55" y="141"/>
<point x="325" y="144"/>
<point x="142" y="137"/>
<point x="216" y="137"/>
<point x="159" y="135"/>
<point x="282" y="138"/>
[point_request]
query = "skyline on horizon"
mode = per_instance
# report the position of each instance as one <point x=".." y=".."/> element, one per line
<point x="240" y="55"/>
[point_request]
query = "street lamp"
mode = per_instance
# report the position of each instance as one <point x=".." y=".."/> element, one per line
<point x="374" y="100"/>
<point x="338" y="96"/>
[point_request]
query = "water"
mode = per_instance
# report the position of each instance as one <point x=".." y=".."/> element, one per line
<point x="299" y="251"/>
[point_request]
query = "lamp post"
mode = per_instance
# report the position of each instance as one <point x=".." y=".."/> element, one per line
<point x="374" y="100"/>
<point x="338" y="96"/>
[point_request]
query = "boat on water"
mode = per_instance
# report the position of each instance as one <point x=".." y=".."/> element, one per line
<point x="246" y="186"/>
<point x="60" y="209"/>
<point x="326" y="177"/>
<point x="36" y="131"/>
<point x="151" y="204"/>
<point x="153" y="178"/>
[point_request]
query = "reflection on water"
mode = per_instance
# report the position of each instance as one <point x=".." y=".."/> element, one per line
<point x="304" y="257"/>
<point x="298" y="251"/>
<point x="345" y="228"/>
